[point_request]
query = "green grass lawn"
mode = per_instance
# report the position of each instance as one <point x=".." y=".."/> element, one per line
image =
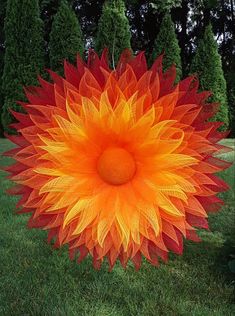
<point x="37" y="280"/>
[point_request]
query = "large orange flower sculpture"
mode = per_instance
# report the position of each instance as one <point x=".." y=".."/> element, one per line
<point x="117" y="163"/>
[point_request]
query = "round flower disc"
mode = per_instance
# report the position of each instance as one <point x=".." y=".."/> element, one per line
<point x="117" y="163"/>
<point x="116" y="166"/>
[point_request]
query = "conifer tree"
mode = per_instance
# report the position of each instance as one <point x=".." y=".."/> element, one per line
<point x="65" y="37"/>
<point x="113" y="30"/>
<point x="23" y="56"/>
<point x="207" y="65"/>
<point x="167" y="42"/>
<point x="3" y="4"/>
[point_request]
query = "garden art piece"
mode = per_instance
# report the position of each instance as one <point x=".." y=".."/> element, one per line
<point x="117" y="163"/>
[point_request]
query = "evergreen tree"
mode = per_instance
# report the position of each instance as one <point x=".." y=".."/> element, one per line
<point x="163" y="5"/>
<point x="65" y="37"/>
<point x="113" y="30"/>
<point x="207" y="65"/>
<point x="23" y="56"/>
<point x="3" y="4"/>
<point x="231" y="102"/>
<point x="167" y="42"/>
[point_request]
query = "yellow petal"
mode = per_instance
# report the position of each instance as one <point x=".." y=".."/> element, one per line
<point x="69" y="129"/>
<point x="159" y="128"/>
<point x="81" y="205"/>
<point x="102" y="231"/>
<point x="87" y="217"/>
<point x="135" y="226"/>
<point x="49" y="171"/>
<point x="174" y="191"/>
<point x="150" y="213"/>
<point x="166" y="204"/>
<point x="59" y="184"/>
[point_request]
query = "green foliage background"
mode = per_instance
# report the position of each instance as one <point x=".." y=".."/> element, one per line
<point x="24" y="53"/>
<point x="40" y="34"/>
<point x="207" y="65"/>
<point x="113" y="30"/>
<point x="167" y="42"/>
<point x="65" y="37"/>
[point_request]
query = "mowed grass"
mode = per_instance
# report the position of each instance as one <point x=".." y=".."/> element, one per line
<point x="37" y="280"/>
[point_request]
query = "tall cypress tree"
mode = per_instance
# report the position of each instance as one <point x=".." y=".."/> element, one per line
<point x="65" y="37"/>
<point x="3" y="4"/>
<point x="207" y="64"/>
<point x="113" y="30"/>
<point x="231" y="98"/>
<point x="167" y="41"/>
<point x="24" y="53"/>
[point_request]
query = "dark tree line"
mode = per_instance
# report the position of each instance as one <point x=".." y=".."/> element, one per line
<point x="177" y="27"/>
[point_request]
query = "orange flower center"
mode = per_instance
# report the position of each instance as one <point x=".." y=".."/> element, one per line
<point x="116" y="166"/>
